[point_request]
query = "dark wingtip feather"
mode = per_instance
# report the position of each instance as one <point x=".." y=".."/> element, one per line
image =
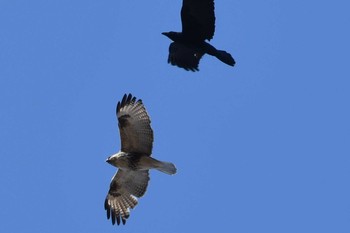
<point x="118" y="107"/>
<point x="107" y="209"/>
<point x="133" y="100"/>
<point x="193" y="69"/>
<point x="121" y="103"/>
<point x="126" y="99"/>
<point x="113" y="218"/>
<point x="106" y="204"/>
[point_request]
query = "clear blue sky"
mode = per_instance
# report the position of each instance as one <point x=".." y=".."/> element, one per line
<point x="261" y="147"/>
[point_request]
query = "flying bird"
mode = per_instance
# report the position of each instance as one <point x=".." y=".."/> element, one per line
<point x="133" y="160"/>
<point x="198" y="25"/>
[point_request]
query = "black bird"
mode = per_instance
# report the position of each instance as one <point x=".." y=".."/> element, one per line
<point x="198" y="25"/>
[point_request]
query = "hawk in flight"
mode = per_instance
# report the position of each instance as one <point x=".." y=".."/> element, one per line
<point x="198" y="25"/>
<point x="133" y="160"/>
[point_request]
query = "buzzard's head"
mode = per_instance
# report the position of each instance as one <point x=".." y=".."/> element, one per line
<point x="118" y="160"/>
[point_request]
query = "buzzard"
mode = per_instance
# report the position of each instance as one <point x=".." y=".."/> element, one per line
<point x="198" y="25"/>
<point x="133" y="160"/>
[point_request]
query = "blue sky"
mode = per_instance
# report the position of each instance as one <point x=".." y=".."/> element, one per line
<point x="261" y="147"/>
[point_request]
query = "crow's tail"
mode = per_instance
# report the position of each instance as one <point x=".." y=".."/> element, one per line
<point x="225" y="57"/>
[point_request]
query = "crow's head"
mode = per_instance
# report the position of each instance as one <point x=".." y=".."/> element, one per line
<point x="174" y="36"/>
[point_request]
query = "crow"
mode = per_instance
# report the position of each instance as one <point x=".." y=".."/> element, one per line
<point x="198" y="25"/>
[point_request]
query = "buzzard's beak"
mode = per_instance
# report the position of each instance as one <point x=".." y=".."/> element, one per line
<point x="107" y="160"/>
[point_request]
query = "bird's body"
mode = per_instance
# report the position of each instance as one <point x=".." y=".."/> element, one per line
<point x="133" y="161"/>
<point x="198" y="25"/>
<point x="139" y="162"/>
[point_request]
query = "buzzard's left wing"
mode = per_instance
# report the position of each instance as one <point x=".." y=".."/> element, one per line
<point x="134" y="124"/>
<point x="126" y="186"/>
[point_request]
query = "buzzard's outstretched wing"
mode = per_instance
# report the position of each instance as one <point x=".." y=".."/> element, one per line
<point x="184" y="57"/>
<point x="125" y="188"/>
<point x="135" y="126"/>
<point x="198" y="19"/>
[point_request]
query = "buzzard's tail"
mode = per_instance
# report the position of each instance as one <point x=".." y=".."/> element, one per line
<point x="168" y="168"/>
<point x="225" y="57"/>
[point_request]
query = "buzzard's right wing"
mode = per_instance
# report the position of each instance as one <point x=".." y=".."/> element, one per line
<point x="126" y="187"/>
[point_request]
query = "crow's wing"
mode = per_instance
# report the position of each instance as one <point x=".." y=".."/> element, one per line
<point x="184" y="57"/>
<point x="134" y="124"/>
<point x="126" y="186"/>
<point x="198" y="19"/>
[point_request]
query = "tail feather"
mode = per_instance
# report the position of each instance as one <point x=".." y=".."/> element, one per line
<point x="166" y="167"/>
<point x="225" y="57"/>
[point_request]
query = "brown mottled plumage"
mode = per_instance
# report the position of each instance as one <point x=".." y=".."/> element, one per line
<point x="134" y="160"/>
